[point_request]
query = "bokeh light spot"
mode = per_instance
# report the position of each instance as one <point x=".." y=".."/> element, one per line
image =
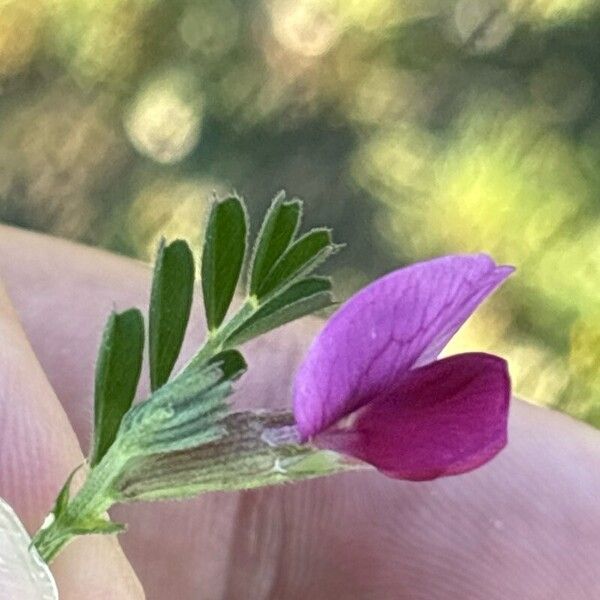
<point x="164" y="121"/>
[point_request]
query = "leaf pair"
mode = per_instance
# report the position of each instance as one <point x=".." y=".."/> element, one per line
<point x="278" y="259"/>
<point x="121" y="352"/>
<point x="280" y="281"/>
<point x="279" y="286"/>
<point x="279" y="227"/>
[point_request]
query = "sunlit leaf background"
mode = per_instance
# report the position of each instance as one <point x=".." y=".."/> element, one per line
<point x="414" y="127"/>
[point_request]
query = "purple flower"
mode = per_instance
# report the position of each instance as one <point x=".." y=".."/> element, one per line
<point x="371" y="387"/>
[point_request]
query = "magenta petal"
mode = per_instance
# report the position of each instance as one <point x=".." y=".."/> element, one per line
<point x="446" y="418"/>
<point x="398" y="322"/>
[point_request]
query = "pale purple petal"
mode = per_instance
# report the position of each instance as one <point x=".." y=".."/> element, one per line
<point x="445" y="418"/>
<point x="398" y="322"/>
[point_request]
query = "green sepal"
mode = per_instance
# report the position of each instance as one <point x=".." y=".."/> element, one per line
<point x="170" y="305"/>
<point x="277" y="231"/>
<point x="223" y="257"/>
<point x="259" y="448"/>
<point x="117" y="375"/>
<point x="300" y="299"/>
<point x="299" y="260"/>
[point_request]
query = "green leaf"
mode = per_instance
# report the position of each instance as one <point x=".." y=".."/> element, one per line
<point x="302" y="257"/>
<point x="277" y="231"/>
<point x="170" y="305"/>
<point x="117" y="374"/>
<point x="223" y="257"/>
<point x="302" y="298"/>
<point x="184" y="412"/>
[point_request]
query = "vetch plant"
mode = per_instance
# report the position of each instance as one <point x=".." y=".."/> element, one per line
<point x="370" y="391"/>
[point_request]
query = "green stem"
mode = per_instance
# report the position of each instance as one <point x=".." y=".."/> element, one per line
<point x="49" y="542"/>
<point x="91" y="502"/>
<point x="216" y="341"/>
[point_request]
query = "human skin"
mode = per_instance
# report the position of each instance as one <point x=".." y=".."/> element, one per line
<point x="525" y="526"/>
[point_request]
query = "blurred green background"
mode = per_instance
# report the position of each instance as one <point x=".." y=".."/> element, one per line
<point x="414" y="128"/>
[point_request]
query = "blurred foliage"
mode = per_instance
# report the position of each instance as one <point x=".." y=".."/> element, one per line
<point x="414" y="127"/>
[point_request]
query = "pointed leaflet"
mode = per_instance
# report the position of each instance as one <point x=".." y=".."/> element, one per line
<point x="301" y="299"/>
<point x="170" y="304"/>
<point x="395" y="324"/>
<point x="277" y="231"/>
<point x="302" y="257"/>
<point x="222" y="258"/>
<point x="117" y="375"/>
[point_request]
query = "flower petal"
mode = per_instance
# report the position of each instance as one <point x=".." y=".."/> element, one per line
<point x="445" y="418"/>
<point x="398" y="322"/>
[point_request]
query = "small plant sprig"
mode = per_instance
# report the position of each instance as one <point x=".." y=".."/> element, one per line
<point x="184" y="438"/>
<point x="370" y="389"/>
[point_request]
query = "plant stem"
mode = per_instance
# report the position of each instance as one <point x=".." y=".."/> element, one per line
<point x="90" y="503"/>
<point x="217" y="340"/>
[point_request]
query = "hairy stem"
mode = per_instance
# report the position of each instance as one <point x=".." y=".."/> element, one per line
<point x="90" y="503"/>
